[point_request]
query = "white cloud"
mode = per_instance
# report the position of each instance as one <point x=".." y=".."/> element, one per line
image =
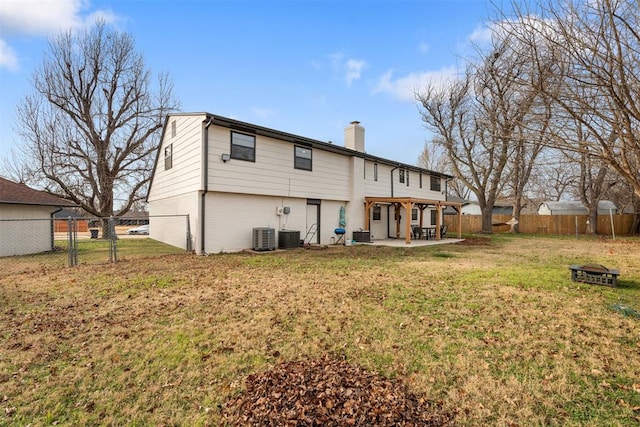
<point x="404" y="88"/>
<point x="349" y="69"/>
<point x="482" y="35"/>
<point x="353" y="70"/>
<point x="40" y="16"/>
<point x="424" y="48"/>
<point x="43" y="17"/>
<point x="8" y="57"/>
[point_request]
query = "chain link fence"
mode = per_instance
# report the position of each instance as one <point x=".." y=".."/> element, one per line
<point x="30" y="244"/>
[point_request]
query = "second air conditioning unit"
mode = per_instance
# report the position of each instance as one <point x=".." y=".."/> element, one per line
<point x="264" y="239"/>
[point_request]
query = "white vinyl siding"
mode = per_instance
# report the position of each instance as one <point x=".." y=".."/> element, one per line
<point x="382" y="187"/>
<point x="273" y="172"/>
<point x="186" y="159"/>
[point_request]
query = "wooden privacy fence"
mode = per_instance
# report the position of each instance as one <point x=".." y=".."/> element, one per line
<point x="62" y="225"/>
<point x="545" y="224"/>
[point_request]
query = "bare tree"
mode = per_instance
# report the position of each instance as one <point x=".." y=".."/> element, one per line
<point x="621" y="194"/>
<point x="596" y="46"/>
<point x="556" y="175"/>
<point x="91" y="126"/>
<point x="434" y="157"/>
<point x="483" y="120"/>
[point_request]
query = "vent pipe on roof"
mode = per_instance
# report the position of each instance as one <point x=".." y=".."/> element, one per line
<point x="354" y="137"/>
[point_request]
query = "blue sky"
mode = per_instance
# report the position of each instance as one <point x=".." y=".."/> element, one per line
<point x="307" y="67"/>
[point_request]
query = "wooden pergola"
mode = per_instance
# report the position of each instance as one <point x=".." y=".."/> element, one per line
<point x="408" y="203"/>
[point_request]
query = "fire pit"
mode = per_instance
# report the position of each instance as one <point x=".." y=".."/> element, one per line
<point x="594" y="274"/>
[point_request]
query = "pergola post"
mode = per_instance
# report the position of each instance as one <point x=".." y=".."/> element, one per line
<point x="438" y="221"/>
<point x="396" y="210"/>
<point x="367" y="214"/>
<point x="408" y="206"/>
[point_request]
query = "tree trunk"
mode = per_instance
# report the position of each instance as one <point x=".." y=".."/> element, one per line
<point x="593" y="219"/>
<point x="517" y="208"/>
<point x="635" y="227"/>
<point x="107" y="232"/>
<point x="487" y="221"/>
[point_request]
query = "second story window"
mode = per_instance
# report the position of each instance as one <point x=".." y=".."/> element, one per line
<point x="375" y="171"/>
<point x="435" y="183"/>
<point x="168" y="157"/>
<point x="243" y="147"/>
<point x="401" y="174"/>
<point x="302" y="158"/>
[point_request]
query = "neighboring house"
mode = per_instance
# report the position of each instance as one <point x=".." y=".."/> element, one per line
<point x="26" y="219"/>
<point x="574" y="207"/>
<point x="133" y="218"/>
<point x="232" y="177"/>
<point x="473" y="208"/>
<point x="470" y="207"/>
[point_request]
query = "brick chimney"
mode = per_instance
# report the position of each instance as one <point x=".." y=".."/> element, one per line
<point x="354" y="136"/>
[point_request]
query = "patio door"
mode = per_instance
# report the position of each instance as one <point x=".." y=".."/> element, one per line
<point x="313" y="221"/>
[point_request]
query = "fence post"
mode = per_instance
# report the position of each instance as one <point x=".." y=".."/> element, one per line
<point x="113" y="241"/>
<point x="613" y="228"/>
<point x="73" y="241"/>
<point x="70" y="241"/>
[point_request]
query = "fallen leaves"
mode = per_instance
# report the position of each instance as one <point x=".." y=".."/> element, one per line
<point x="329" y="392"/>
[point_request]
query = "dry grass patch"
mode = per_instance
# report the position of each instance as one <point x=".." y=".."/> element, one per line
<point x="494" y="333"/>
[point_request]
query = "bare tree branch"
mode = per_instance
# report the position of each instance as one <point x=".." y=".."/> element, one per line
<point x="91" y="126"/>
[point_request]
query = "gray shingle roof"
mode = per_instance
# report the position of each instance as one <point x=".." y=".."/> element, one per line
<point x="14" y="193"/>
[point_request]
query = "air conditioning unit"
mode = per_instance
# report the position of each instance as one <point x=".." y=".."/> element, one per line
<point x="264" y="239"/>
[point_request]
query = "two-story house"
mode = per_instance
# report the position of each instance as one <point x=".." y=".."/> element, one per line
<point x="232" y="177"/>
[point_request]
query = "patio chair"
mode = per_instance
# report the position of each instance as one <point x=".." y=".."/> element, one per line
<point x="416" y="231"/>
<point x="443" y="230"/>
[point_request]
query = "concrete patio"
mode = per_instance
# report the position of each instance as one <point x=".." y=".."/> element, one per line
<point x="400" y="243"/>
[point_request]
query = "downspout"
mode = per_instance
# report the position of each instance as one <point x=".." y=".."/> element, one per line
<point x="53" y="227"/>
<point x="205" y="184"/>
<point x="392" y="179"/>
<point x="446" y="189"/>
